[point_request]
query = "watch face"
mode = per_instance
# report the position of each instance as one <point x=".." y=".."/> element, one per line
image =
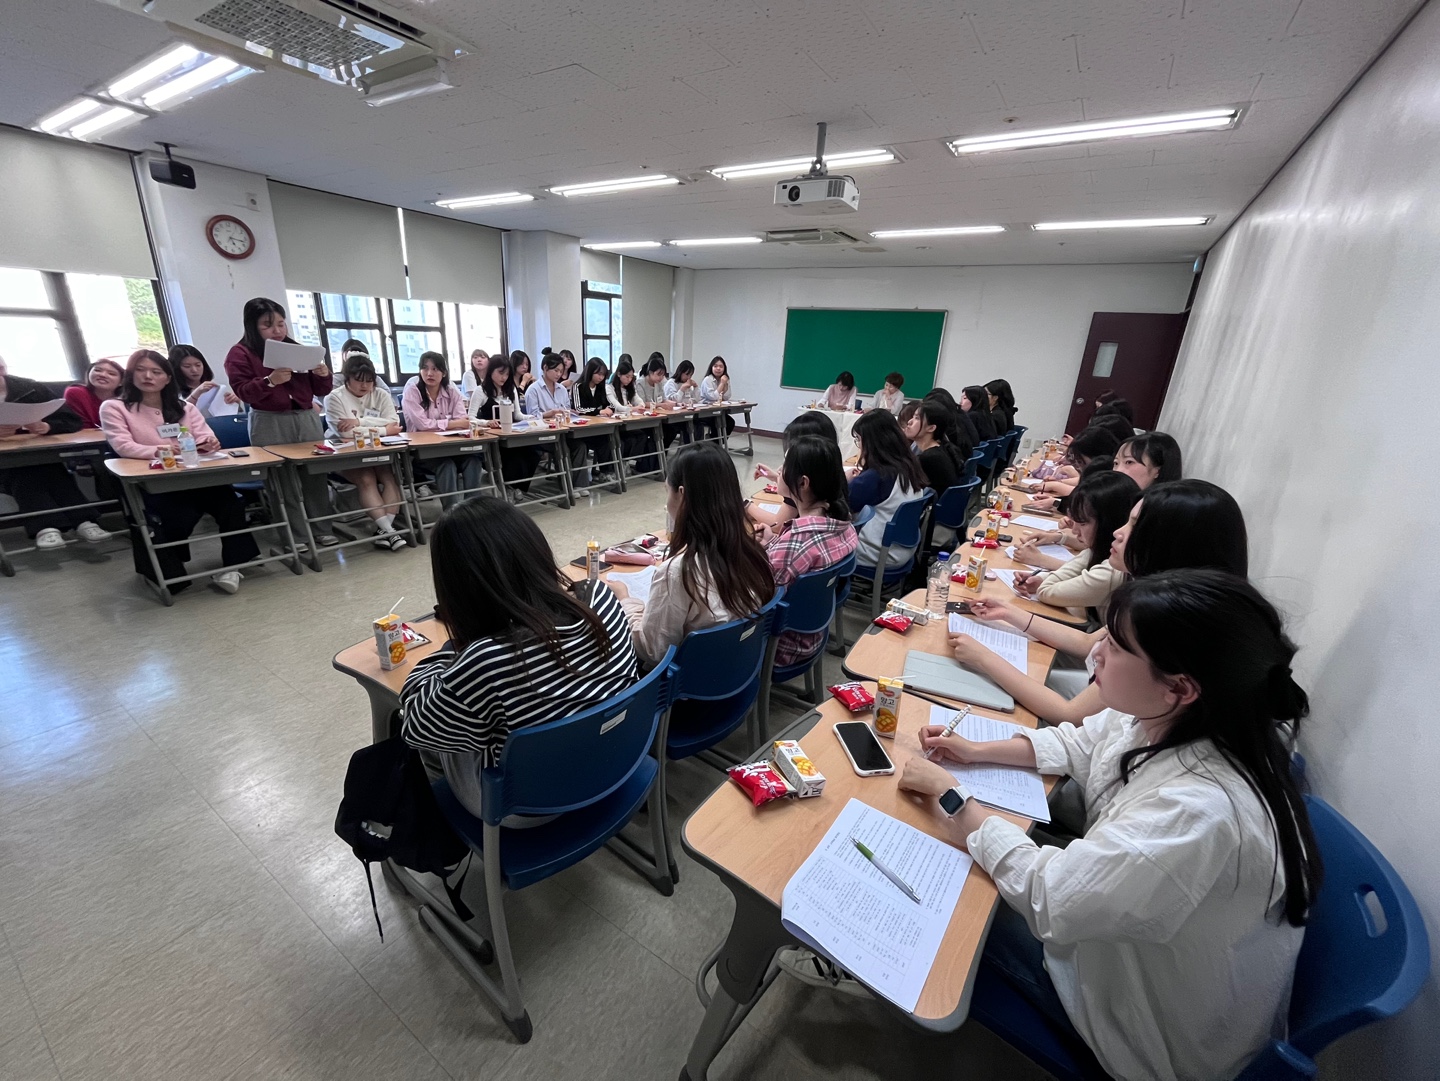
<point x="951" y="802"/>
<point x="230" y="237"/>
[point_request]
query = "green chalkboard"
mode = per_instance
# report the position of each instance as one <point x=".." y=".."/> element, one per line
<point x="869" y="343"/>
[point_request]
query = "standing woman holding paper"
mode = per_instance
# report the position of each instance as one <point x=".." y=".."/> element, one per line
<point x="281" y="401"/>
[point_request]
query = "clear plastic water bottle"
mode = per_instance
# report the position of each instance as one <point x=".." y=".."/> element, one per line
<point x="937" y="585"/>
<point x="189" y="456"/>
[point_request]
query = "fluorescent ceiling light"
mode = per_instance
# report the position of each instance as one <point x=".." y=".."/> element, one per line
<point x="470" y="202"/>
<point x="609" y="187"/>
<point x="623" y="245"/>
<point x="949" y="230"/>
<point x="64" y="118"/>
<point x="113" y="117"/>
<point x="1119" y="223"/>
<point x="1201" y="120"/>
<point x="847" y="160"/>
<point x="196" y="81"/>
<point x="165" y="64"/>
<point x="702" y="242"/>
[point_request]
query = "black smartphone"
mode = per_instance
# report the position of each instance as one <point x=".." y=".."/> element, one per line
<point x="963" y="607"/>
<point x="863" y="749"/>
<point x="239" y="454"/>
<point x="1004" y="538"/>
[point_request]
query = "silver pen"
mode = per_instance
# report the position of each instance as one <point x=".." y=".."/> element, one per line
<point x="950" y="728"/>
<point x="891" y="875"/>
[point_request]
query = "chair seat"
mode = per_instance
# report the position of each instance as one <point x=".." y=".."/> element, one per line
<point x="689" y="735"/>
<point x="530" y="855"/>
<point x="1001" y="1009"/>
<point x="784" y="673"/>
<point x="865" y="575"/>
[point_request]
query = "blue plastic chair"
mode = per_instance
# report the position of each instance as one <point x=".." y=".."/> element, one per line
<point x="808" y="608"/>
<point x="234" y="432"/>
<point x="902" y="531"/>
<point x="989" y="454"/>
<point x="952" y="509"/>
<point x="972" y="465"/>
<point x="593" y="771"/>
<point x="1353" y="969"/>
<point x="1017" y="433"/>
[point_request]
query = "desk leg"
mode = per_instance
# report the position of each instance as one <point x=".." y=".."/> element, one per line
<point x="749" y="436"/>
<point x="137" y="511"/>
<point x="617" y="451"/>
<point x="755" y="936"/>
<point x="384" y="714"/>
<point x="412" y="494"/>
<point x="292" y="477"/>
<point x="562" y="464"/>
<point x="6" y="567"/>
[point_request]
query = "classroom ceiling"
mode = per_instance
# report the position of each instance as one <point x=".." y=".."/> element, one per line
<point x="586" y="91"/>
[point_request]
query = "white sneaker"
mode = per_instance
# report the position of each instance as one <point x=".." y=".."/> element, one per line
<point x="327" y="540"/>
<point x="227" y="581"/>
<point x="808" y="967"/>
<point x="49" y="538"/>
<point x="398" y="542"/>
<point x="424" y="492"/>
<point x="582" y="492"/>
<point x="91" y="533"/>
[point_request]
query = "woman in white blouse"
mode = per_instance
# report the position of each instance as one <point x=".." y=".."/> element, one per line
<point x="715" y="388"/>
<point x="716" y="570"/>
<point x="1166" y="937"/>
<point x="1099" y="506"/>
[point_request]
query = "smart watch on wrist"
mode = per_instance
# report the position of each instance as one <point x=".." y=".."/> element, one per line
<point x="953" y="801"/>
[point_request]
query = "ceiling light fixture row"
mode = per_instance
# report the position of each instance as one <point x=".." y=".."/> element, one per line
<point x="160" y="82"/>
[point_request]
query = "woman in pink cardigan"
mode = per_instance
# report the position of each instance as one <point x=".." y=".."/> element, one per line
<point x="147" y="415"/>
<point x="432" y="404"/>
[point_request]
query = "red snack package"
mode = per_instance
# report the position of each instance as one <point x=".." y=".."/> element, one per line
<point x="853" y="696"/>
<point x="760" y="780"/>
<point x="772" y="489"/>
<point x="894" y="621"/>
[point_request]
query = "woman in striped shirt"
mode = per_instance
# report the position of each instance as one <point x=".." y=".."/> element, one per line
<point x="525" y="645"/>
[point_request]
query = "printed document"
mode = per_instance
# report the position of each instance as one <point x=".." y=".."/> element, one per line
<point x="1011" y="788"/>
<point x="636" y="583"/>
<point x="1015" y="648"/>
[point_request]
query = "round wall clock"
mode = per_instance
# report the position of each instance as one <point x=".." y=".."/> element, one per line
<point x="230" y="236"/>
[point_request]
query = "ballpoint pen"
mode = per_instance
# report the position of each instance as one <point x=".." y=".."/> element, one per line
<point x="950" y="728"/>
<point x="891" y="875"/>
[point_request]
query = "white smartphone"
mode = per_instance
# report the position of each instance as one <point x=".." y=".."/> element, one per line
<point x="863" y="749"/>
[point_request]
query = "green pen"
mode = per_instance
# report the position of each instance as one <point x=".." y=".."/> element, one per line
<point x="891" y="875"/>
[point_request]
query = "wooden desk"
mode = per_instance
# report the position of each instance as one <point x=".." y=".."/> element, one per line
<point x="425" y="446"/>
<point x="20" y="451"/>
<point x="539" y="434"/>
<point x="756" y="851"/>
<point x="301" y="458"/>
<point x="136" y="476"/>
<point x="362" y="662"/>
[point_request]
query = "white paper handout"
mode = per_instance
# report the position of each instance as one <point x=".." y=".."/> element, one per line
<point x="1011" y="788"/>
<point x="298" y="358"/>
<point x="1013" y="647"/>
<point x="23" y="413"/>
<point x="840" y="904"/>
<point x="1054" y="551"/>
<point x="1029" y="521"/>
<point x="1008" y="577"/>
<point x="213" y="404"/>
<point x="636" y="583"/>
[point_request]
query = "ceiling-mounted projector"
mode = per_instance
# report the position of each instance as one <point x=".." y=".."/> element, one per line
<point x="817" y="192"/>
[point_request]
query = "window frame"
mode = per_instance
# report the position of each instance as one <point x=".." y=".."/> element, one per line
<point x="587" y="292"/>
<point x="63" y="314"/>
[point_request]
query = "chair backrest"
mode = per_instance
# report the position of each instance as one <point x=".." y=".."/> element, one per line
<point x="972" y="465"/>
<point x="1355" y="967"/>
<point x="232" y="431"/>
<point x="809" y="601"/>
<point x="951" y="510"/>
<point x="903" y="530"/>
<point x="1017" y="433"/>
<point x="989" y="449"/>
<point x="569" y="763"/>
<point x="720" y="661"/>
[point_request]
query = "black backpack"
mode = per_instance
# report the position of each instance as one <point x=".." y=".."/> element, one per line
<point x="389" y="812"/>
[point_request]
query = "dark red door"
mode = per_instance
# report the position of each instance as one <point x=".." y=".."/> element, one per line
<point x="1132" y="354"/>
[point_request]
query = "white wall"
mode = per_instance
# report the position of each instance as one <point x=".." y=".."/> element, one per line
<point x="542" y="291"/>
<point x="1025" y="323"/>
<point x="203" y="290"/>
<point x="645" y="288"/>
<point x="1306" y="383"/>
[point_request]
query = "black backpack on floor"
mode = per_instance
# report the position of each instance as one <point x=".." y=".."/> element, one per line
<point x="389" y="812"/>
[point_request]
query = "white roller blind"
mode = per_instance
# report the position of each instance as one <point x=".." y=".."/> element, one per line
<point x="647" y="289"/>
<point x="71" y="207"/>
<point x="335" y="244"/>
<point x="599" y="266"/>
<point x="453" y="261"/>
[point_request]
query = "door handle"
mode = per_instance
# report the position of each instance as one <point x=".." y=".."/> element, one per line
<point x="1079" y="401"/>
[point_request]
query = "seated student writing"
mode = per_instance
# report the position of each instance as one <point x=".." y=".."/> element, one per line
<point x="149" y="402"/>
<point x="358" y="405"/>
<point x="975" y="404"/>
<point x="889" y="476"/>
<point x="432" y="404"/>
<point x="523" y="645"/>
<point x="497" y="388"/>
<point x="102" y="382"/>
<point x="623" y="394"/>
<point x="890" y="396"/>
<point x="819" y="536"/>
<point x="1091" y="443"/>
<point x="48" y="487"/>
<point x="592" y="401"/>
<point x="197" y="381"/>
<point x="1149" y="458"/>
<point x="1186" y="523"/>
<point x="1098" y="509"/>
<point x="811" y="423"/>
<point x="716" y="571"/>
<point x="926" y="425"/>
<point x="549" y="400"/>
<point x="840" y="395"/>
<point x="1165" y="938"/>
<point x="1029" y="543"/>
<point x="715" y="387"/>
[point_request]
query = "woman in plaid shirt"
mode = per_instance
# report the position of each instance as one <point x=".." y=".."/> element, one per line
<point x="812" y="480"/>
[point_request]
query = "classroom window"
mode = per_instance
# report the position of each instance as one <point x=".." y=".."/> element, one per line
<point x="1105" y="360"/>
<point x="52" y="324"/>
<point x="601" y="316"/>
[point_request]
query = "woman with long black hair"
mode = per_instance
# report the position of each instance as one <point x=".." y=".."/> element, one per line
<point x="1002" y="404"/>
<point x="1165" y="938"/>
<point x="975" y="403"/>
<point x="889" y="476"/>
<point x="496" y="389"/>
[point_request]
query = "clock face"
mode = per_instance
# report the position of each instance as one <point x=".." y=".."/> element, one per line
<point x="230" y="237"/>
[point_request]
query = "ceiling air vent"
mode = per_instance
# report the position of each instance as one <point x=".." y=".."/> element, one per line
<point x="810" y="236"/>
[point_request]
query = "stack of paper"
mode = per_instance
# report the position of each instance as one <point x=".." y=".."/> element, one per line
<point x="1015" y="648"/>
<point x="840" y="904"/>
<point x="1011" y="788"/>
<point x="637" y="583"/>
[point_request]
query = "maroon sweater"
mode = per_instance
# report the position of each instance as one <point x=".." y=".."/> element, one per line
<point x="247" y="379"/>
